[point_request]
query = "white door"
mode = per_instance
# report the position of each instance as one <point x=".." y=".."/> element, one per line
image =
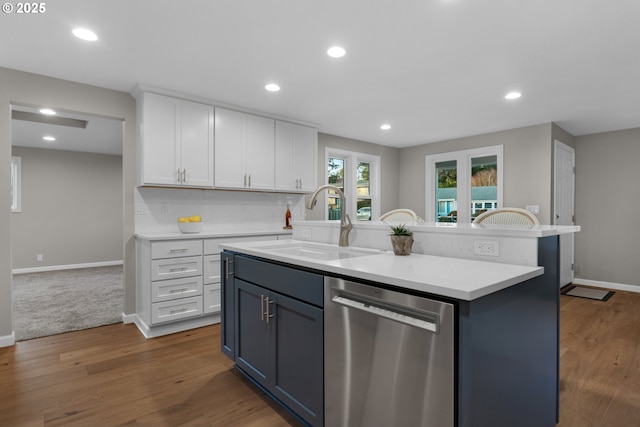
<point x="230" y="137"/>
<point x="196" y="148"/>
<point x="564" y="179"/>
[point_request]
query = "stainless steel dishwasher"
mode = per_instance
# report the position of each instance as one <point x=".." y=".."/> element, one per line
<point x="389" y="358"/>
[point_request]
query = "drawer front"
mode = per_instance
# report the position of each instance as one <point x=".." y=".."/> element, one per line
<point x="211" y="267"/>
<point x="168" y="311"/>
<point x="176" y="248"/>
<point x="174" y="268"/>
<point x="165" y="290"/>
<point x="212" y="299"/>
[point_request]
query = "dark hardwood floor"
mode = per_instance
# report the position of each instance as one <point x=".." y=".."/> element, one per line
<point x="113" y="376"/>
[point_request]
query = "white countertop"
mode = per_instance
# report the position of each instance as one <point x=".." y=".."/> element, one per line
<point x="177" y="235"/>
<point x="503" y="230"/>
<point x="449" y="277"/>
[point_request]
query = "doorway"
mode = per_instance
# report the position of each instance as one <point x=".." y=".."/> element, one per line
<point x="563" y="205"/>
<point x="71" y="196"/>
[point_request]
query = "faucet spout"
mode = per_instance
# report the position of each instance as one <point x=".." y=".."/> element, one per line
<point x="345" y="222"/>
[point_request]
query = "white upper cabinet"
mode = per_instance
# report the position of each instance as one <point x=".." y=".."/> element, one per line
<point x="244" y="151"/>
<point x="176" y="142"/>
<point x="296" y="157"/>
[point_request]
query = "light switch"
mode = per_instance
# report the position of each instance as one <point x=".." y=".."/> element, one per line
<point x="534" y="209"/>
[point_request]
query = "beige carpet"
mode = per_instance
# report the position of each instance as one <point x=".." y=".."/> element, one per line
<point x="54" y="302"/>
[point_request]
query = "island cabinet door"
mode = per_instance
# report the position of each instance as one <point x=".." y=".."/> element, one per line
<point x="228" y="317"/>
<point x="297" y="350"/>
<point x="253" y="332"/>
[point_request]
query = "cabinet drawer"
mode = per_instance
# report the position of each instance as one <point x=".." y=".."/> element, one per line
<point x="212" y="298"/>
<point x="182" y="308"/>
<point x="211" y="267"/>
<point x="174" y="268"/>
<point x="165" y="290"/>
<point x="176" y="248"/>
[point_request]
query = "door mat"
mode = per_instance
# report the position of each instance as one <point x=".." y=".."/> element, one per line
<point x="589" y="293"/>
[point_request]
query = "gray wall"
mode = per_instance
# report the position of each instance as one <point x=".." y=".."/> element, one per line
<point x="388" y="175"/>
<point x="31" y="89"/>
<point x="607" y="199"/>
<point x="527" y="167"/>
<point x="71" y="208"/>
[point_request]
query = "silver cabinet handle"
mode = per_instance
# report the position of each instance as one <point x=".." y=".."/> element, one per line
<point x="262" y="313"/>
<point x="227" y="273"/>
<point x="184" y="176"/>
<point x="179" y="176"/>
<point x="268" y="313"/>
<point x="249" y="181"/>
<point x="245" y="180"/>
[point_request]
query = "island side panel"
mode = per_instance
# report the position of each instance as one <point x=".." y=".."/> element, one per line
<point x="508" y="351"/>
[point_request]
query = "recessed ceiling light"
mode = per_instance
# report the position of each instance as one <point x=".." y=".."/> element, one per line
<point x="336" y="52"/>
<point x="48" y="112"/>
<point x="513" y="95"/>
<point x="385" y="126"/>
<point x="272" y="87"/>
<point x="48" y="138"/>
<point x="84" y="34"/>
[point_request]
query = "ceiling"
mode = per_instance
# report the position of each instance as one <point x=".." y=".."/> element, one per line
<point x="432" y="69"/>
<point x="101" y="135"/>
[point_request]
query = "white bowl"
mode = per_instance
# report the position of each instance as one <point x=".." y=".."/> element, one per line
<point x="190" y="227"/>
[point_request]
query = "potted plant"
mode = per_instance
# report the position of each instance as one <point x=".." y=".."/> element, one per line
<point x="401" y="239"/>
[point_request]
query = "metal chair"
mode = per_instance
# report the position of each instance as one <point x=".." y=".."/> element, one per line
<point x="507" y="216"/>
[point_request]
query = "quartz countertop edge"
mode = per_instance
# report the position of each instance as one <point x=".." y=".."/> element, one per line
<point x="177" y="235"/>
<point x="500" y="230"/>
<point x="456" y="278"/>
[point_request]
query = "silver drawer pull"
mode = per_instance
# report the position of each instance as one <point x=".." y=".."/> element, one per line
<point x="179" y="250"/>
<point x="180" y="311"/>
<point x="176" y="291"/>
<point x="178" y="269"/>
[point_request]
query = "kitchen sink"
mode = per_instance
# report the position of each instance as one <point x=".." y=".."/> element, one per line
<point x="319" y="252"/>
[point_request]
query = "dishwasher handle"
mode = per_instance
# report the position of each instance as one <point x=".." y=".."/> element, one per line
<point x="429" y="323"/>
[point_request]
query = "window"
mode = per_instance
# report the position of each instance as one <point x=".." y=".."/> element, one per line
<point x="357" y="175"/>
<point x="463" y="184"/>
<point x="16" y="203"/>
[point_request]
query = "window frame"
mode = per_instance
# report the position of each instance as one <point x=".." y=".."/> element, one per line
<point x="16" y="184"/>
<point x="352" y="159"/>
<point x="463" y="159"/>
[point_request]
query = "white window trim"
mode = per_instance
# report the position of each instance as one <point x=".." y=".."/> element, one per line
<point x="16" y="170"/>
<point x="350" y="181"/>
<point x="463" y="159"/>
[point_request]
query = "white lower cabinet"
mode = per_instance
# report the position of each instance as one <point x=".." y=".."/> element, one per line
<point x="178" y="283"/>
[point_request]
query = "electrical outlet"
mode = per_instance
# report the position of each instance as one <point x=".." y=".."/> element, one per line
<point x="486" y="247"/>
<point x="39" y="257"/>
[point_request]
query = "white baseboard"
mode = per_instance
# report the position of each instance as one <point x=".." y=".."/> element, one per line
<point x="172" y="328"/>
<point x="8" y="340"/>
<point x="128" y="318"/>
<point x="607" y="285"/>
<point x="65" y="267"/>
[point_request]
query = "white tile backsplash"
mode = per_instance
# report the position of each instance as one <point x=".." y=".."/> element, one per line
<point x="158" y="209"/>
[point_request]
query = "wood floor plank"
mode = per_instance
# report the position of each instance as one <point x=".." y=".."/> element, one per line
<point x="113" y="376"/>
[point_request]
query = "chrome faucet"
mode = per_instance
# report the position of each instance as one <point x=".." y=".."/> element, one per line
<point x="345" y="221"/>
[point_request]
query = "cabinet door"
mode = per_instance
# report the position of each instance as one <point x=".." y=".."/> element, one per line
<point x="230" y="136"/>
<point x="305" y="159"/>
<point x="196" y="149"/>
<point x="160" y="139"/>
<point x="252" y="332"/>
<point x="228" y="318"/>
<point x="286" y="179"/>
<point x="260" y="153"/>
<point x="298" y="350"/>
